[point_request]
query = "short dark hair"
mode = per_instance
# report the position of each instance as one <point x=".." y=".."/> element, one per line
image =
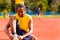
<point x="20" y="5"/>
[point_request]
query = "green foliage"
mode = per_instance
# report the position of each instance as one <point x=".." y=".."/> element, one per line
<point x="12" y="5"/>
<point x="36" y="3"/>
<point x="59" y="9"/>
<point x="1" y="1"/>
<point x="43" y="4"/>
<point x="2" y="7"/>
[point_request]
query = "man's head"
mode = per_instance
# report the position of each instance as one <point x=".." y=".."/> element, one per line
<point x="21" y="10"/>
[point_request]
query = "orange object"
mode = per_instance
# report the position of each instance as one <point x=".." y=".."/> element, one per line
<point x="19" y="1"/>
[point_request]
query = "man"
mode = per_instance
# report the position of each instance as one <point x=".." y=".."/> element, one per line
<point x="38" y="13"/>
<point x="21" y="25"/>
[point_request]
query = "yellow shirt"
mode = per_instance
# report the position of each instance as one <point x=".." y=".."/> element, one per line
<point x="23" y="22"/>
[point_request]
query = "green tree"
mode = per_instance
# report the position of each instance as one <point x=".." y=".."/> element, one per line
<point x="36" y="3"/>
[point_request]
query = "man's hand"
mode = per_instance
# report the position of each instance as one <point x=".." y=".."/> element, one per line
<point x="11" y="37"/>
<point x="20" y="37"/>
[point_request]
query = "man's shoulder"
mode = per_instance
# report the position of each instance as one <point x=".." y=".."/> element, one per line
<point x="12" y="17"/>
<point x="29" y="16"/>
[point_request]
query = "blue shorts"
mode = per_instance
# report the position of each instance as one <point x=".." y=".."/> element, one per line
<point x="21" y="32"/>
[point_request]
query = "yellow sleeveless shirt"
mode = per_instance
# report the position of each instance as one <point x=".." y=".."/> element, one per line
<point x="23" y="22"/>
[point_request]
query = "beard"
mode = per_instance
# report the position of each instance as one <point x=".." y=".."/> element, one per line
<point x="21" y="15"/>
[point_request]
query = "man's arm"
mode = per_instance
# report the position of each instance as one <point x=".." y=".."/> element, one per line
<point x="6" y="29"/>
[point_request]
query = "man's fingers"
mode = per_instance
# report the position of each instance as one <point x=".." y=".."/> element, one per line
<point x="19" y="38"/>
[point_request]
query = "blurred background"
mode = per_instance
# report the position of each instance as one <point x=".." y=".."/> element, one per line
<point x="47" y="28"/>
<point x="48" y="7"/>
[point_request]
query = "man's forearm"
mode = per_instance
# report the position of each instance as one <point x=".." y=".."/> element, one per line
<point x="7" y="32"/>
<point x="30" y="32"/>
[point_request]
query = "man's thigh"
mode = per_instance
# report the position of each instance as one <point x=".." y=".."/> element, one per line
<point x="30" y="37"/>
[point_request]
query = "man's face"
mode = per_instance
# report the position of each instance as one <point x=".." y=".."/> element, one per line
<point x="21" y="11"/>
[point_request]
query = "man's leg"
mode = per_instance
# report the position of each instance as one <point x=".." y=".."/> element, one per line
<point x="30" y="37"/>
<point x="34" y="38"/>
